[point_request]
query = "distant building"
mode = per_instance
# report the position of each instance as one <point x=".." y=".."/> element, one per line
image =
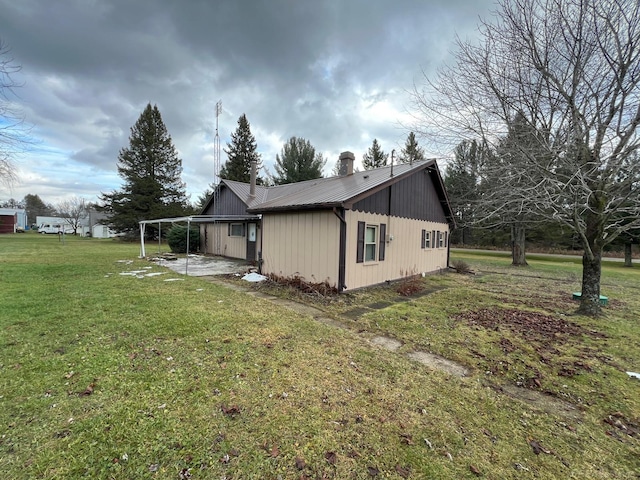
<point x="12" y="220"/>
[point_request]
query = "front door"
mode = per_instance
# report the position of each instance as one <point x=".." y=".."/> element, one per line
<point x="252" y="234"/>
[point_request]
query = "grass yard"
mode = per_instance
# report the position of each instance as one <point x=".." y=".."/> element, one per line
<point x="104" y="375"/>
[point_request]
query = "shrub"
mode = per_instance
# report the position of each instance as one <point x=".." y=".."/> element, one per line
<point x="177" y="239"/>
<point x="461" y="266"/>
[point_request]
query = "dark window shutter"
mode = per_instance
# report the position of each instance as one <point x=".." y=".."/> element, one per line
<point x="383" y="243"/>
<point x="360" y="252"/>
<point x="433" y="239"/>
<point x="424" y="234"/>
<point x="438" y="239"/>
<point x="244" y="229"/>
<point x="446" y="239"/>
<point x="228" y="229"/>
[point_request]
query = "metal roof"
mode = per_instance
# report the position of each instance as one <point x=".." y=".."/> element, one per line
<point x="327" y="192"/>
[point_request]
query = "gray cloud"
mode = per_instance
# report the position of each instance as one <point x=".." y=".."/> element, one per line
<point x="333" y="72"/>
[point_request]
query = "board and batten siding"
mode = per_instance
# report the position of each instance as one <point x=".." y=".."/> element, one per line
<point x="215" y="240"/>
<point x="412" y="197"/>
<point x="228" y="204"/>
<point x="303" y="244"/>
<point x="403" y="256"/>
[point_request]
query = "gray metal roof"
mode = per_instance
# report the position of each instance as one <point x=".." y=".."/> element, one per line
<point x="326" y="192"/>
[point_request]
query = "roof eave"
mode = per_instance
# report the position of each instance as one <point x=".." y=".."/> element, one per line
<point x="288" y="208"/>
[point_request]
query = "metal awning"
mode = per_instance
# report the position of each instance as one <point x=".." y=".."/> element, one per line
<point x="189" y="220"/>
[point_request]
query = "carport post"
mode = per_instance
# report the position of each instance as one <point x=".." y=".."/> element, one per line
<point x="142" y="252"/>
<point x="186" y="265"/>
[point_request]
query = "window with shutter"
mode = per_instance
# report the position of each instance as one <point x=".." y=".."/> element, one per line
<point x="360" y="249"/>
<point x="382" y="241"/>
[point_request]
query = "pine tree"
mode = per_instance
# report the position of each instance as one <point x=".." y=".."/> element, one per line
<point x="375" y="157"/>
<point x="36" y="207"/>
<point x="411" y="152"/>
<point x="151" y="169"/>
<point x="241" y="152"/>
<point x="297" y="162"/>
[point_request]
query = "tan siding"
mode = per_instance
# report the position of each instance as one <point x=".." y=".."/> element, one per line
<point x="220" y="243"/>
<point x="305" y="244"/>
<point x="403" y="255"/>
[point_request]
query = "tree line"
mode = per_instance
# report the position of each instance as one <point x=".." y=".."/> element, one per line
<point x="550" y="93"/>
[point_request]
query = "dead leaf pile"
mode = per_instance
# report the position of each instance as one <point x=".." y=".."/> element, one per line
<point x="624" y="429"/>
<point x="231" y="410"/>
<point x="532" y="326"/>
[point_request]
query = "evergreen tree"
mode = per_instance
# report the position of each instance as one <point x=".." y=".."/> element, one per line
<point x="461" y="182"/>
<point x="375" y="157"/>
<point x="241" y="152"/>
<point x="36" y="207"/>
<point x="297" y="162"/>
<point x="411" y="152"/>
<point x="151" y="169"/>
<point x="203" y="198"/>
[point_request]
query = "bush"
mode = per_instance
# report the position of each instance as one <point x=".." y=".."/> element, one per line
<point x="177" y="239"/>
<point x="461" y="266"/>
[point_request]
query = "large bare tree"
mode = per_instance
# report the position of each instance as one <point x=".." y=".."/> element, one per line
<point x="73" y="210"/>
<point x="12" y="130"/>
<point x="570" y="70"/>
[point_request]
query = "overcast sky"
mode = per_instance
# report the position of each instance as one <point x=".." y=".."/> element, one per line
<point x="334" y="72"/>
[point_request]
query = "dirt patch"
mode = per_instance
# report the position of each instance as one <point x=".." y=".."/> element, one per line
<point x="439" y="363"/>
<point x="532" y="326"/>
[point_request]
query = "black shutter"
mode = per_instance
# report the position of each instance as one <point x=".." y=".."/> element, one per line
<point x="438" y="239"/>
<point x="228" y="229"/>
<point x="433" y="239"/>
<point x="446" y="239"/>
<point x="424" y="235"/>
<point x="360" y="251"/>
<point x="383" y="238"/>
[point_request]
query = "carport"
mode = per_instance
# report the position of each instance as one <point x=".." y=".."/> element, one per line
<point x="179" y="220"/>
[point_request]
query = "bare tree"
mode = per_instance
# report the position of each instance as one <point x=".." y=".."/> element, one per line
<point x="12" y="129"/>
<point x="73" y="211"/>
<point x="569" y="69"/>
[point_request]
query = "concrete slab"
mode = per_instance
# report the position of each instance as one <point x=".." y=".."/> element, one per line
<point x="201" y="265"/>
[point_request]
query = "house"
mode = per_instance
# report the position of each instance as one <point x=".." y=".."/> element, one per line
<point x="98" y="225"/>
<point x="351" y="231"/>
<point x="12" y="220"/>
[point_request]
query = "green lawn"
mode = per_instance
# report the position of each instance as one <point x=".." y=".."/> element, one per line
<point x="105" y="375"/>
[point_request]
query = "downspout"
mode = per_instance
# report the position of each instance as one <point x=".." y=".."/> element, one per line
<point x="260" y="260"/>
<point x="342" y="255"/>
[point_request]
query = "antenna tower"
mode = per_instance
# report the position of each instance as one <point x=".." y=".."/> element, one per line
<point x="216" y="181"/>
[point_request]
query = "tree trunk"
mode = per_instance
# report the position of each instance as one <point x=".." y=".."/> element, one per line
<point x="591" y="272"/>
<point x="627" y="255"/>
<point x="518" y="246"/>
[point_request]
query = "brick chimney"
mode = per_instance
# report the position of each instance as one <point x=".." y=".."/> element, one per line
<point x="252" y="185"/>
<point x="346" y="164"/>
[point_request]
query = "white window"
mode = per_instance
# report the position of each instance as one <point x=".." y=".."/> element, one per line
<point x="427" y="239"/>
<point x="370" y="243"/>
<point x="440" y="239"/>
<point x="236" y="230"/>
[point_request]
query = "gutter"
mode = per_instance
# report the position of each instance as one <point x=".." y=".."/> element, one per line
<point x="342" y="255"/>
